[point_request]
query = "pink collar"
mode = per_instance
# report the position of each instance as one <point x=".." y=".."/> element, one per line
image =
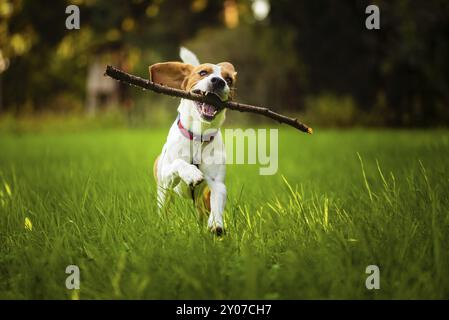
<point x="191" y="136"/>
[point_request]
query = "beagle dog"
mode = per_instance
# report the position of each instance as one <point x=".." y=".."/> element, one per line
<point x="192" y="161"/>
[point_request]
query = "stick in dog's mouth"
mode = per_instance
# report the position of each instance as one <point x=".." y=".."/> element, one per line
<point x="207" y="111"/>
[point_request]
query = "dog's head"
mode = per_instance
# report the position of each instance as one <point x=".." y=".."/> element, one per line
<point x="218" y="79"/>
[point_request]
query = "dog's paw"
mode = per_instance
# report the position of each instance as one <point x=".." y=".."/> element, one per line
<point x="218" y="231"/>
<point x="191" y="175"/>
<point x="215" y="227"/>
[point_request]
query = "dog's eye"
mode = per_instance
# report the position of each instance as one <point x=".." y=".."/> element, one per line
<point x="229" y="80"/>
<point x="202" y="73"/>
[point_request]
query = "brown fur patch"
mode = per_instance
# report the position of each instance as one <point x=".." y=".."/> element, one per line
<point x="206" y="198"/>
<point x="170" y="74"/>
<point x="202" y="202"/>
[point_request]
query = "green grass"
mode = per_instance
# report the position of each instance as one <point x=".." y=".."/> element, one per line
<point x="91" y="199"/>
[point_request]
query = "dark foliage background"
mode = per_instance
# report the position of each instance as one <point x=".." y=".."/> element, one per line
<point x="315" y="58"/>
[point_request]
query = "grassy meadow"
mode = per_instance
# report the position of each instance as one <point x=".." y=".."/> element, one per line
<point x="341" y="200"/>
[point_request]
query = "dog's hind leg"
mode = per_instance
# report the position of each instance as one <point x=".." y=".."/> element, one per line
<point x="163" y="194"/>
<point x="164" y="197"/>
<point x="161" y="197"/>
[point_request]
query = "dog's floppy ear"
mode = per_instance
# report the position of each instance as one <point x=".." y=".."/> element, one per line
<point x="170" y="74"/>
<point x="229" y="67"/>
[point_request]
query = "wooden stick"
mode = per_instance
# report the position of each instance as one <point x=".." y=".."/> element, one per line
<point x="209" y="99"/>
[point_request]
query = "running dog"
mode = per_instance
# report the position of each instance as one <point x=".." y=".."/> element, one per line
<point x="192" y="161"/>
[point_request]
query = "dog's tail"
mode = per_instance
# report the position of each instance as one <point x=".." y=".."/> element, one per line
<point x="188" y="56"/>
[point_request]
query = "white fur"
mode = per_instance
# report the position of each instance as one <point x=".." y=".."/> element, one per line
<point x="175" y="170"/>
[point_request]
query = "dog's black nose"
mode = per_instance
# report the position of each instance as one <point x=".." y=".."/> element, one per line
<point x="217" y="83"/>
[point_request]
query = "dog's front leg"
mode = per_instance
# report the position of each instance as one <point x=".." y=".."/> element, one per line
<point x="217" y="205"/>
<point x="180" y="169"/>
<point x="170" y="176"/>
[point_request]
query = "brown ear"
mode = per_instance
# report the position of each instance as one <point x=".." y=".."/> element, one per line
<point x="170" y="74"/>
<point x="229" y="67"/>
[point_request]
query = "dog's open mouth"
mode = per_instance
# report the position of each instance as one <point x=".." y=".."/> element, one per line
<point x="207" y="111"/>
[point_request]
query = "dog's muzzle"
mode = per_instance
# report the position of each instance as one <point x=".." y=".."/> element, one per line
<point x="207" y="111"/>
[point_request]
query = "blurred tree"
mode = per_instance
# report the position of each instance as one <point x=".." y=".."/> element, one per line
<point x="46" y="59"/>
<point x="401" y="66"/>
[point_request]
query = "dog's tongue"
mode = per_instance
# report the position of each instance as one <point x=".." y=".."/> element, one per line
<point x="208" y="109"/>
